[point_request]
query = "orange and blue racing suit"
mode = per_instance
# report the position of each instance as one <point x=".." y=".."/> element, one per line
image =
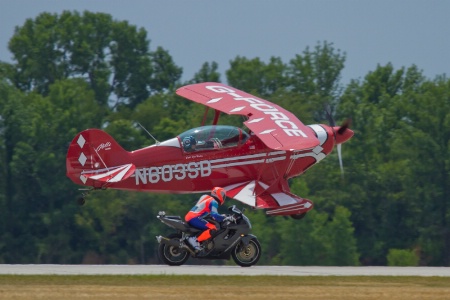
<point x="205" y="205"/>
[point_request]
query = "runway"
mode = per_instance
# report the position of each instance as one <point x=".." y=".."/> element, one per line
<point x="220" y="270"/>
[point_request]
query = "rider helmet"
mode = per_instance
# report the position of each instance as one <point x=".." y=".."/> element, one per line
<point x="219" y="194"/>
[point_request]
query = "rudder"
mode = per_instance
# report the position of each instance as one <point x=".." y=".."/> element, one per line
<point x="94" y="158"/>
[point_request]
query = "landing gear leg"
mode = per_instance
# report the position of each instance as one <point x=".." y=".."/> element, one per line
<point x="82" y="200"/>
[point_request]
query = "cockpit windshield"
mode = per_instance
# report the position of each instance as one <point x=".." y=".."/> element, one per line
<point x="212" y="137"/>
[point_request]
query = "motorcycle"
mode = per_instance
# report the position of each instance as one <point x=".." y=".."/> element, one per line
<point x="232" y="239"/>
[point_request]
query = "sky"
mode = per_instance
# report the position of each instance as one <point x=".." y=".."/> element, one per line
<point x="371" y="33"/>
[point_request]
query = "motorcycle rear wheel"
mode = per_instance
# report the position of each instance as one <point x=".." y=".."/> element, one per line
<point x="247" y="256"/>
<point x="171" y="255"/>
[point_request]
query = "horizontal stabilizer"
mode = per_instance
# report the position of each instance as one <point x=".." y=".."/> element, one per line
<point x="113" y="174"/>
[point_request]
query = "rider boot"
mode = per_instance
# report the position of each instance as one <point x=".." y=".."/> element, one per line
<point x="206" y="235"/>
<point x="193" y="241"/>
<point x="203" y="237"/>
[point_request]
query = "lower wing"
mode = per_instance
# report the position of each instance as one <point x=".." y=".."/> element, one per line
<point x="276" y="202"/>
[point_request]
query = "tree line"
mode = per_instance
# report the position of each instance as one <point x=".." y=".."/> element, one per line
<point x="73" y="71"/>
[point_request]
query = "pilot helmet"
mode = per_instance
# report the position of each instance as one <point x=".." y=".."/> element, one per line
<point x="188" y="142"/>
<point x="219" y="194"/>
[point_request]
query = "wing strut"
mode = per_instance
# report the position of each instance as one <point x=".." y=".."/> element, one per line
<point x="216" y="116"/>
<point x="205" y="115"/>
<point x="291" y="163"/>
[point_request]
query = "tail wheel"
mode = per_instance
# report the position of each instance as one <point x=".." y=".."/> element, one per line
<point x="247" y="256"/>
<point x="298" y="216"/>
<point x="171" y="255"/>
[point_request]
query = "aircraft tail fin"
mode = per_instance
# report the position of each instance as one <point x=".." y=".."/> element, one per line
<point x="95" y="159"/>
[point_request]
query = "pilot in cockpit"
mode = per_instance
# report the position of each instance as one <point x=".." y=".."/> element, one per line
<point x="189" y="143"/>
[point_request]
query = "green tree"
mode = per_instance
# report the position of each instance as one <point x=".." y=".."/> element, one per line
<point x="344" y="251"/>
<point x="36" y="131"/>
<point x="372" y="106"/>
<point x="304" y="86"/>
<point x="269" y="233"/>
<point x="74" y="71"/>
<point x="112" y="56"/>
<point x="423" y="142"/>
<point x="314" y="77"/>
<point x="13" y="116"/>
<point x="255" y="76"/>
<point x="166" y="73"/>
<point x="160" y="109"/>
<point x="402" y="257"/>
<point x="127" y="134"/>
<point x="120" y="227"/>
<point x="398" y="157"/>
<point x="319" y="239"/>
<point x="207" y="73"/>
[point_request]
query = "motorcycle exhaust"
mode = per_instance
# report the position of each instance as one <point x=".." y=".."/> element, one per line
<point x="173" y="243"/>
<point x="167" y="241"/>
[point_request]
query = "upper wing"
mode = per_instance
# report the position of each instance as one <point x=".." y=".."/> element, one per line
<point x="277" y="202"/>
<point x="275" y="126"/>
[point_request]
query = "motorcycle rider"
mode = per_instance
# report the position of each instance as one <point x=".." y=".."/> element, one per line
<point x="207" y="204"/>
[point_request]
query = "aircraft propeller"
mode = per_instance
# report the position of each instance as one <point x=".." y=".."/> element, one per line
<point x="341" y="134"/>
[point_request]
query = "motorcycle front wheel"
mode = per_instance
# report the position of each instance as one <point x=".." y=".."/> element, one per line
<point x="247" y="256"/>
<point x="171" y="255"/>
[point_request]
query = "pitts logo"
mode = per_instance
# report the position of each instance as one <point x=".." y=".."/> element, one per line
<point x="168" y="173"/>
<point x="102" y="146"/>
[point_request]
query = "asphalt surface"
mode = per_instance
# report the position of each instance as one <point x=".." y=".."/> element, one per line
<point x="222" y="270"/>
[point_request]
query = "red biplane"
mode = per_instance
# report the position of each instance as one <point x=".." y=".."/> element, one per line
<point x="252" y="165"/>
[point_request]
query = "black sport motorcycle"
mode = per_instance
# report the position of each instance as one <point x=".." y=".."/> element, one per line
<point x="232" y="239"/>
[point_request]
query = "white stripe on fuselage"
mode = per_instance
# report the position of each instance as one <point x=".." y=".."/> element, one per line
<point x="238" y="157"/>
<point x="204" y="168"/>
<point x="249" y="159"/>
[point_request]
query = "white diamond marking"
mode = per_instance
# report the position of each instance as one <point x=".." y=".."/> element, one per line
<point x="214" y="100"/>
<point x="267" y="131"/>
<point x="82" y="159"/>
<point x="256" y="120"/>
<point x="83" y="179"/>
<point x="81" y="141"/>
<point x="317" y="150"/>
<point x="237" y="109"/>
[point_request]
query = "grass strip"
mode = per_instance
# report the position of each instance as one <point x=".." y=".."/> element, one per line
<point x="236" y="287"/>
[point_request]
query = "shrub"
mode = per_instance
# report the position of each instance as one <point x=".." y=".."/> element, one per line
<point x="402" y="257"/>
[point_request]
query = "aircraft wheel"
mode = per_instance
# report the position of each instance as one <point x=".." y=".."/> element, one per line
<point x="247" y="256"/>
<point x="298" y="216"/>
<point x="171" y="255"/>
